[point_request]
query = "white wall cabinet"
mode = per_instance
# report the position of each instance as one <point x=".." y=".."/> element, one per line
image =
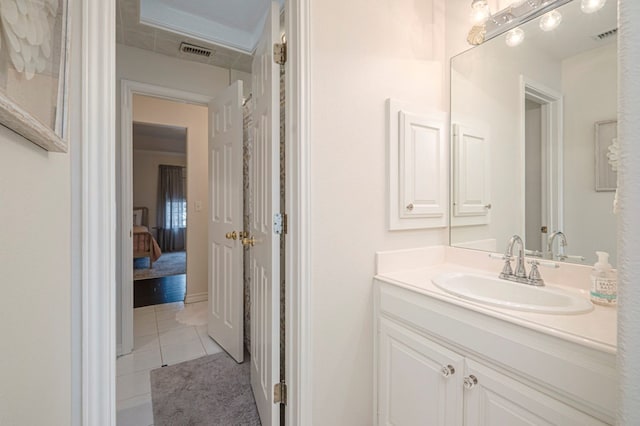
<point x="417" y="155"/>
<point x="471" y="176"/>
<point x="424" y="379"/>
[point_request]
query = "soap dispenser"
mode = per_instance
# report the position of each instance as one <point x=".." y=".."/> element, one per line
<point x="604" y="282"/>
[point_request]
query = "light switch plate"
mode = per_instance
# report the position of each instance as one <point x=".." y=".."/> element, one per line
<point x="198" y="205"/>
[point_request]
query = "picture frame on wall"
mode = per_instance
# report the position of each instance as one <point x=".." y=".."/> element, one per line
<point x="34" y="58"/>
<point x="606" y="178"/>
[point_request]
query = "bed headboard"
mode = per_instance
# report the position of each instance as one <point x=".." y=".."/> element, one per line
<point x="141" y="216"/>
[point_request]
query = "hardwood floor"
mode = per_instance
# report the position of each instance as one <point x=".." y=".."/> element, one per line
<point x="155" y="291"/>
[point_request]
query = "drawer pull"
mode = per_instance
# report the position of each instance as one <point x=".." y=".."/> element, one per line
<point x="447" y="371"/>
<point x="470" y="382"/>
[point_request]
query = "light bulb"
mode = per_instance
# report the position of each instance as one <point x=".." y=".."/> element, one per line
<point x="514" y="37"/>
<point x="590" y="6"/>
<point x="480" y="12"/>
<point x="550" y="21"/>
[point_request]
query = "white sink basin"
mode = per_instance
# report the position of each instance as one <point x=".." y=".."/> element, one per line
<point x="512" y="295"/>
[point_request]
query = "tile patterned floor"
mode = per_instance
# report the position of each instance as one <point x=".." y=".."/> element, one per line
<point x="158" y="339"/>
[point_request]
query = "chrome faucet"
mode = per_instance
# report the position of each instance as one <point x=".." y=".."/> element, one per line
<point x="551" y="240"/>
<point x="520" y="274"/>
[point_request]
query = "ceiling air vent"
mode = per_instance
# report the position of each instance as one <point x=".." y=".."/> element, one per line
<point x="605" y="35"/>
<point x="192" y="49"/>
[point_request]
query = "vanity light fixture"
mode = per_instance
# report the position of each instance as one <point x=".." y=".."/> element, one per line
<point x="511" y="17"/>
<point x="514" y="37"/>
<point x="591" y="6"/>
<point x="550" y="20"/>
<point x="479" y="11"/>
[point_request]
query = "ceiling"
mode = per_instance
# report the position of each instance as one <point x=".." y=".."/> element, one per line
<point x="236" y="24"/>
<point x="156" y="137"/>
<point x="187" y="19"/>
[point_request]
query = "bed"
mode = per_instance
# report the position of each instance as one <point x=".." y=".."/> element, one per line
<point x="144" y="244"/>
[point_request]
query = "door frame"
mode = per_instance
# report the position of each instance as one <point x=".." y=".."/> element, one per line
<point x="298" y="256"/>
<point x="95" y="202"/>
<point x="128" y="89"/>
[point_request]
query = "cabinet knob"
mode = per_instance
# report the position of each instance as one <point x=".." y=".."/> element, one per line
<point x="410" y="207"/>
<point x="470" y="381"/>
<point x="447" y="371"/>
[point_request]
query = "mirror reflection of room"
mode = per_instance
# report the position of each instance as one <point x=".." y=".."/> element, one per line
<point x="533" y="141"/>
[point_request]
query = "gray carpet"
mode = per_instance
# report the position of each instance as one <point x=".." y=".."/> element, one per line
<point x="170" y="263"/>
<point x="212" y="390"/>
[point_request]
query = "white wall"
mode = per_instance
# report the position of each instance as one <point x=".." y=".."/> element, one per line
<point x="145" y="179"/>
<point x="590" y="88"/>
<point x="35" y="263"/>
<point x="35" y="321"/>
<point x="362" y="53"/>
<point x="148" y="67"/>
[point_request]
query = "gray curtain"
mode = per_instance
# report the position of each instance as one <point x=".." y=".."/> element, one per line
<point x="172" y="208"/>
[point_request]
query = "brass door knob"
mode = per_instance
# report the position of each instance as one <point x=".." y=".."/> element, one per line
<point x="248" y="242"/>
<point x="231" y="235"/>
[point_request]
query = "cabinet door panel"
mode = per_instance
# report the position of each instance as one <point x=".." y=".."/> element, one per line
<point x="498" y="400"/>
<point x="412" y="389"/>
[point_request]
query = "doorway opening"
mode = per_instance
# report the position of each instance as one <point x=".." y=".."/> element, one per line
<point x="541" y="121"/>
<point x="159" y="214"/>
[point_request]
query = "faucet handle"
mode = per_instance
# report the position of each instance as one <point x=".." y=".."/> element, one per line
<point x="535" y="262"/>
<point x="570" y="256"/>
<point x="506" y="269"/>
<point x="499" y="256"/>
<point x="536" y="253"/>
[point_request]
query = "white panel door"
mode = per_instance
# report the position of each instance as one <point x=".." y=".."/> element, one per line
<point x="420" y="382"/>
<point x="225" y="318"/>
<point x="498" y="400"/>
<point x="265" y="194"/>
<point x="472" y="171"/>
<point x="423" y="186"/>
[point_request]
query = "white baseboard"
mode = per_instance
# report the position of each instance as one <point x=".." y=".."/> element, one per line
<point x="196" y="297"/>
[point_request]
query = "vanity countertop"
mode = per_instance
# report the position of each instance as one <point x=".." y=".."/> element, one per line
<point x="595" y="329"/>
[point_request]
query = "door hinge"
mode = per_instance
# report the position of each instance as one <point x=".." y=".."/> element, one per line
<point x="280" y="53"/>
<point x="280" y="393"/>
<point x="280" y="223"/>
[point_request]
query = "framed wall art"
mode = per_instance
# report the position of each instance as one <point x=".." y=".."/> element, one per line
<point x="34" y="53"/>
<point x="606" y="175"/>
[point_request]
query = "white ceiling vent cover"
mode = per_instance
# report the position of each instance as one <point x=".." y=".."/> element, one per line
<point x="192" y="49"/>
<point x="605" y="35"/>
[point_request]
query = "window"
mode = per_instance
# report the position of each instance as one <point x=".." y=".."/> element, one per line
<point x="176" y="214"/>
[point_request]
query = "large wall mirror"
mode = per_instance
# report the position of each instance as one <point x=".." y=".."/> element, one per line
<point x="533" y="138"/>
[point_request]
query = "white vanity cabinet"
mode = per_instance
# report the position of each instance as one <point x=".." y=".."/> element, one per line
<point x="491" y="398"/>
<point x="420" y="381"/>
<point x="441" y="364"/>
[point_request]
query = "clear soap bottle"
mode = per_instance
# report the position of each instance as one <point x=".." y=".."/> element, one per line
<point x="604" y="281"/>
